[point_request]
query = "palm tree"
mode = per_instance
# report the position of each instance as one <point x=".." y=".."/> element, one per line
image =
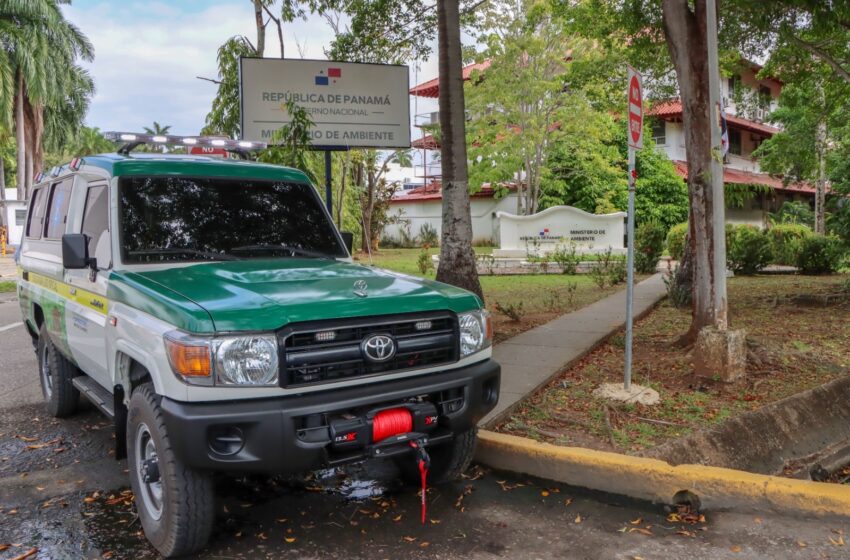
<point x="457" y="259"/>
<point x="157" y="130"/>
<point x="40" y="79"/>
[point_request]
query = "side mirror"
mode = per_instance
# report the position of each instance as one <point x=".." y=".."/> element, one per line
<point x="75" y="251"/>
<point x="348" y="240"/>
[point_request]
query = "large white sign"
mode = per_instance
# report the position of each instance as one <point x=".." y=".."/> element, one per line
<point x="559" y="226"/>
<point x="351" y="104"/>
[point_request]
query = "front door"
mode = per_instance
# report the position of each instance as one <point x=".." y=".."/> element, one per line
<point x="87" y="303"/>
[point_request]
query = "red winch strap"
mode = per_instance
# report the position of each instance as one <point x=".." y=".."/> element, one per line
<point x="423" y="472"/>
<point x="423" y="462"/>
<point x="391" y="422"/>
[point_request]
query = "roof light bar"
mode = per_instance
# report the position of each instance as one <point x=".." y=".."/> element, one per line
<point x="169" y="139"/>
<point x="40" y="176"/>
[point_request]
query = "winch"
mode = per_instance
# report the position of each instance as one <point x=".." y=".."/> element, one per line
<point x="388" y="425"/>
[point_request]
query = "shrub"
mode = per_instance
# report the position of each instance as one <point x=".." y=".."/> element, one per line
<point x="649" y="244"/>
<point x="568" y="258"/>
<point x="424" y="261"/>
<point x="820" y="254"/>
<point x="748" y="249"/>
<point x="513" y="311"/>
<point x="428" y="235"/>
<point x="676" y="240"/>
<point x="786" y="240"/>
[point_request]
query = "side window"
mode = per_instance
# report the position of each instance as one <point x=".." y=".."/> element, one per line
<point x="36" y="221"/>
<point x="57" y="212"/>
<point x="20" y="217"/>
<point x="96" y="224"/>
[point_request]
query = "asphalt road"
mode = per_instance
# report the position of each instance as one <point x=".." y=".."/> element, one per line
<point x="62" y="494"/>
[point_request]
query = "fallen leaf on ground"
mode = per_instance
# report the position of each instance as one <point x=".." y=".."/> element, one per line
<point x="637" y="521"/>
<point x="424" y="544"/>
<point x="397" y="518"/>
<point x="435" y="522"/>
<point x="281" y="520"/>
<point x="568" y="501"/>
<point x="837" y="542"/>
<point x="686" y="533"/>
<point x="735" y="548"/>
<point x="27" y="439"/>
<point x="641" y="530"/>
<point x="290" y="540"/>
<point x="262" y="536"/>
<point x="409" y="539"/>
<point x="802" y="544"/>
<point x="544" y="493"/>
<point x="578" y="519"/>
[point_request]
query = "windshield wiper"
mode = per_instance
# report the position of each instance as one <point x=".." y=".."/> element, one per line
<point x="272" y="247"/>
<point x="185" y="250"/>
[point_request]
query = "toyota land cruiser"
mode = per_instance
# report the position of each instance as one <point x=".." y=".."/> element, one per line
<point x="211" y="309"/>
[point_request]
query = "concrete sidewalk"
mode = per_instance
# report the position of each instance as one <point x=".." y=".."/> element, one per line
<point x="8" y="268"/>
<point x="531" y="359"/>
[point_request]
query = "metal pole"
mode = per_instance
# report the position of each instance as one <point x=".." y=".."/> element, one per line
<point x="718" y="205"/>
<point x="328" y="183"/>
<point x="630" y="272"/>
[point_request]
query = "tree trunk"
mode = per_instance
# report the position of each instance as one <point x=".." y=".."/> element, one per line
<point x="261" y="27"/>
<point x="2" y="193"/>
<point x="457" y="259"/>
<point x="343" y="173"/>
<point x="34" y="127"/>
<point x="685" y="32"/>
<point x="820" y="185"/>
<point x="20" y="140"/>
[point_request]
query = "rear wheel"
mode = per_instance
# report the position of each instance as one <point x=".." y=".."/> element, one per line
<point x="448" y="461"/>
<point x="175" y="502"/>
<point x="55" y="373"/>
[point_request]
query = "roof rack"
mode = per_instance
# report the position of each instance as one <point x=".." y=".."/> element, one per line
<point x="132" y="140"/>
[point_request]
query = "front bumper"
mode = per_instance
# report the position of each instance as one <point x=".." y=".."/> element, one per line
<point x="280" y="435"/>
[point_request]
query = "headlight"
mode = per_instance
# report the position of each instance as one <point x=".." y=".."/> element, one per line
<point x="476" y="332"/>
<point x="246" y="360"/>
<point x="249" y="360"/>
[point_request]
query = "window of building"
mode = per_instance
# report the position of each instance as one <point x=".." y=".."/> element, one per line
<point x="734" y="141"/>
<point x="96" y="224"/>
<point x="35" y="226"/>
<point x="659" y="132"/>
<point x="733" y="83"/>
<point x="57" y="213"/>
<point x="765" y="97"/>
<point x="20" y="217"/>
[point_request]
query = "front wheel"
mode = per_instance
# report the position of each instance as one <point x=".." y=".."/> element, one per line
<point x="175" y="503"/>
<point x="448" y="461"/>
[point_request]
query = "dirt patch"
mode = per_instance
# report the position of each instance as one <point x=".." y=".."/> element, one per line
<point x="792" y="348"/>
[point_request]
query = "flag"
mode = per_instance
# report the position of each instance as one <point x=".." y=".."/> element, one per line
<point x="724" y="130"/>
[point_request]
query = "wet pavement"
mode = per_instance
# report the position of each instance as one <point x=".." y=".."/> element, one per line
<point x="62" y="495"/>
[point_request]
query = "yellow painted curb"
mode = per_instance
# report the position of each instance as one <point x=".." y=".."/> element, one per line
<point x="658" y="481"/>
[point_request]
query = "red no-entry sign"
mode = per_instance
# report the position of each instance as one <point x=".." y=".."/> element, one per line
<point x="635" y="109"/>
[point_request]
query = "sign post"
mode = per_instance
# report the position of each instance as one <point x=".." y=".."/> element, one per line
<point x="635" y="140"/>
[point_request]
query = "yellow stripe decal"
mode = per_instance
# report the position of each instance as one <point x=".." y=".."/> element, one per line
<point x="85" y="298"/>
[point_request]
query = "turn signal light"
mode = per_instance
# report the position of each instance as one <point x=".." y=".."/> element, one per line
<point x="189" y="361"/>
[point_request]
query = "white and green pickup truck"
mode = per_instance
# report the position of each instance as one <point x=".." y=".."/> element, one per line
<point x="211" y="308"/>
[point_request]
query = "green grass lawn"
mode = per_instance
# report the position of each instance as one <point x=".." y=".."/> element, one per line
<point x="7" y="286"/>
<point x="533" y="298"/>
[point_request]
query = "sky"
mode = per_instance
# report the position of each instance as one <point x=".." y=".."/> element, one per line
<point x="149" y="52"/>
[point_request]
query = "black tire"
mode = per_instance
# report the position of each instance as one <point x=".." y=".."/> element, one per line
<point x="55" y="374"/>
<point x="184" y="520"/>
<point x="448" y="461"/>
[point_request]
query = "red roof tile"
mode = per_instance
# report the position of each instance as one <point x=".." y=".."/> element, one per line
<point x="746" y="178"/>
<point x="431" y="88"/>
<point x="427" y="142"/>
<point x="433" y="191"/>
<point x="673" y="109"/>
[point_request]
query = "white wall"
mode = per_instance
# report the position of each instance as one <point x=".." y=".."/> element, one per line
<point x="15" y="230"/>
<point x="483" y="210"/>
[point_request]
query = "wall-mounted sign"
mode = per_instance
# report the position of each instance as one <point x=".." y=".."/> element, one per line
<point x="559" y="226"/>
<point x="351" y="104"/>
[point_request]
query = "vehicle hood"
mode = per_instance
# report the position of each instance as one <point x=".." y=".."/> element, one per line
<point x="268" y="294"/>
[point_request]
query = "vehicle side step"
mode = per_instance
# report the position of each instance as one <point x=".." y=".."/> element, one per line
<point x="99" y="396"/>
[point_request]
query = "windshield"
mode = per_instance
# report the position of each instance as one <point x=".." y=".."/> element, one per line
<point x="182" y="219"/>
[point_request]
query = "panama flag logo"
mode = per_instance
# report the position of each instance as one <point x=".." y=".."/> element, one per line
<point x="327" y="77"/>
<point x="545" y="232"/>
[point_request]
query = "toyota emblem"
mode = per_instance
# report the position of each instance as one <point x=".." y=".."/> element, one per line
<point x="378" y="348"/>
<point x="360" y="288"/>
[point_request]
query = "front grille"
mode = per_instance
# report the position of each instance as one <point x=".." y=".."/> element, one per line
<point x="421" y="340"/>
